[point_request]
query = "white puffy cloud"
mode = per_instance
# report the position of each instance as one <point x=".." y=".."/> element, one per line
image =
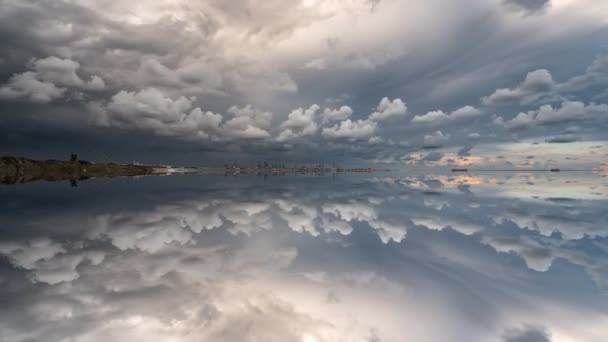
<point x="439" y="223"/>
<point x="28" y="86"/>
<point x="375" y="140"/>
<point x="536" y="256"/>
<point x="388" y="109"/>
<point x="27" y="255"/>
<point x="149" y="102"/>
<point x="339" y="114"/>
<point x="49" y="79"/>
<point x="299" y="217"/>
<point x="436" y="117"/>
<point x="388" y="231"/>
<point x="537" y="83"/>
<point x="48" y="261"/>
<point x="435" y="139"/>
<point x="349" y="129"/>
<point x="247" y="123"/>
<point x="151" y="109"/>
<point x="63" y="72"/>
<point x="144" y="232"/>
<point x="547" y="115"/>
<point x="300" y="122"/>
<point x="351" y="211"/>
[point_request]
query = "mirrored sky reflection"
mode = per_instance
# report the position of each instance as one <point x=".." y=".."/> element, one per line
<point x="381" y="257"/>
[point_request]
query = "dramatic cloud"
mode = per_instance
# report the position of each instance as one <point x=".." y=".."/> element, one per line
<point x="47" y="261"/>
<point x="48" y="81"/>
<point x="120" y="65"/>
<point x="63" y="72"/>
<point x="27" y="85"/>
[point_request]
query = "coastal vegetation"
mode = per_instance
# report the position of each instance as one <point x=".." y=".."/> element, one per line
<point x="22" y="170"/>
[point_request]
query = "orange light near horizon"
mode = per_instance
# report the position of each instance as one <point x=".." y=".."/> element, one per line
<point x="603" y="169"/>
<point x="468" y="161"/>
<point x="461" y="179"/>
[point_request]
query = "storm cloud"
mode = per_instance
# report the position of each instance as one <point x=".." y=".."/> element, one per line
<point x="240" y="81"/>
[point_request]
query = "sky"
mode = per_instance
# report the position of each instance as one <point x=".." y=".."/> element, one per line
<point x="492" y="83"/>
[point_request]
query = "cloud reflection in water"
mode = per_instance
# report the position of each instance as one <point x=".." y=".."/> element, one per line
<point x="388" y="258"/>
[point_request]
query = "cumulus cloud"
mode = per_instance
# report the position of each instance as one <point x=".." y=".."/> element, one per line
<point x="247" y="123"/>
<point x="48" y="261"/>
<point x="151" y="109"/>
<point x="536" y="84"/>
<point x="339" y="114"/>
<point x="435" y="140"/>
<point x="375" y="140"/>
<point x="547" y="115"/>
<point x="150" y="102"/>
<point x="49" y="80"/>
<point x="536" y="256"/>
<point x="388" y="109"/>
<point x="238" y="54"/>
<point x="27" y="85"/>
<point x="349" y="129"/>
<point x="388" y="231"/>
<point x="63" y="72"/>
<point x="437" y="117"/>
<point x="299" y="123"/>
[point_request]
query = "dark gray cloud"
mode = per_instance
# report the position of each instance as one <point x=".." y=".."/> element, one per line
<point x="529" y="5"/>
<point x="562" y="139"/>
<point x="528" y="334"/>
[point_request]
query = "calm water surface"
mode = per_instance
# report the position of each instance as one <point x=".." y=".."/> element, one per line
<point x="378" y="257"/>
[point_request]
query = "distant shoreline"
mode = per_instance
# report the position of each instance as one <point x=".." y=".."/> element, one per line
<point x="16" y="170"/>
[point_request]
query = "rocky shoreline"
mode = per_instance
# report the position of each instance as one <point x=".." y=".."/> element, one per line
<point x="22" y="170"/>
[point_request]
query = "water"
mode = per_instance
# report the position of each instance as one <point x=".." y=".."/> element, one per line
<point x="366" y="257"/>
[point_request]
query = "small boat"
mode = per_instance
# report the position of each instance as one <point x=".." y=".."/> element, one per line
<point x="460" y="170"/>
<point x="555" y="170"/>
